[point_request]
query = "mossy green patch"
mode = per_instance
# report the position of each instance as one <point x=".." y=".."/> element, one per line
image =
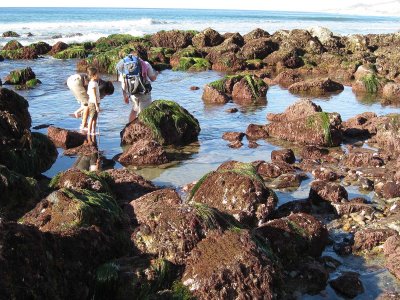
<point x="160" y="110"/>
<point x="12" y="45"/>
<point x="30" y="84"/>
<point x="193" y="64"/>
<point x="219" y="84"/>
<point x="371" y="83"/>
<point x="255" y="84"/>
<point x="321" y="119"/>
<point x="72" y="52"/>
<point x="180" y="291"/>
<point x="115" y="40"/>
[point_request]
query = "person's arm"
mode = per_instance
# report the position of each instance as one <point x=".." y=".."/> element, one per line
<point x="151" y="73"/>
<point x="97" y="97"/>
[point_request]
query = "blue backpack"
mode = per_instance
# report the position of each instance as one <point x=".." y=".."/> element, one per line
<point x="133" y="75"/>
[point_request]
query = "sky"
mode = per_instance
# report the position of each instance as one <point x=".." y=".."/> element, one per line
<point x="358" y="7"/>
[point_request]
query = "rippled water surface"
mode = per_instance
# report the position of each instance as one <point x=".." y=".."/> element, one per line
<point x="52" y="102"/>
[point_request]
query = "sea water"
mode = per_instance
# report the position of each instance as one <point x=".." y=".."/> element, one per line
<point x="89" y="24"/>
<point x="52" y="102"/>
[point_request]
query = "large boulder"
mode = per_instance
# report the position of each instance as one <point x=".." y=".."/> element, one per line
<point x="168" y="227"/>
<point x="232" y="265"/>
<point x="55" y="266"/>
<point x="19" y="194"/>
<point x="258" y="48"/>
<point x="249" y="89"/>
<point x="207" y="38"/>
<point x="391" y="249"/>
<point x="58" y="47"/>
<point x="287" y="77"/>
<point x="348" y="284"/>
<point x="299" y="38"/>
<point x="213" y="96"/>
<point x="237" y="189"/>
<point x="12" y="45"/>
<point x="388" y="133"/>
<point x="142" y="153"/>
<point x="22" y="151"/>
<point x="164" y="121"/>
<point x="327" y="192"/>
<point x="175" y="39"/>
<point x="40" y="48"/>
<point x="295" y="236"/>
<point x="65" y="138"/>
<point x="300" y="109"/>
<point x="256" y="34"/>
<point x="10" y="34"/>
<point x="316" y="87"/>
<point x="320" y="129"/>
<point x="391" y="91"/>
<point x="369" y="238"/>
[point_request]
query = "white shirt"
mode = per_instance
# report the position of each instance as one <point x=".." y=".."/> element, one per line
<point x="92" y="87"/>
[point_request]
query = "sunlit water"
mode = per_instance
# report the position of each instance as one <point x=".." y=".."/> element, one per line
<point x="52" y="103"/>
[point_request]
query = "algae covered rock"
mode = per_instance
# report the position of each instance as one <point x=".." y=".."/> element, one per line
<point x="40" y="48"/>
<point x="166" y="122"/>
<point x="207" y="38"/>
<point x="294" y="236"/>
<point x="212" y="95"/>
<point x="300" y="109"/>
<point x="175" y="39"/>
<point x="249" y="89"/>
<point x="10" y="34"/>
<point x="168" y="227"/>
<point x="192" y="64"/>
<point x="20" y="76"/>
<point x="316" y="87"/>
<point x="231" y="265"/>
<point x="237" y="189"/>
<point x="58" y="47"/>
<point x="320" y="129"/>
<point x="12" y="45"/>
<point x="143" y="153"/>
<point x="72" y="52"/>
<point x="19" y="194"/>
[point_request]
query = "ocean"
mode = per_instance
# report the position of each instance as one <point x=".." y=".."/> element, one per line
<point x="89" y="24"/>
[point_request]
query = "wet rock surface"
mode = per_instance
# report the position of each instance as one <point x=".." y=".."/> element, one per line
<point x="144" y="152"/>
<point x="348" y="284"/>
<point x="64" y="138"/>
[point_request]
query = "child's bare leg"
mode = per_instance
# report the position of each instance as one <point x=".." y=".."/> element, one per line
<point x="132" y="115"/>
<point x="90" y="124"/>
<point x="85" y="116"/>
<point x="94" y="124"/>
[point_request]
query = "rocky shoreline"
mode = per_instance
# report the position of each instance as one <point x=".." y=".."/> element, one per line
<point x="112" y="234"/>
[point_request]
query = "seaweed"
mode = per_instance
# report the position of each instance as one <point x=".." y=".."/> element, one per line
<point x="321" y="119"/>
<point x="371" y="83"/>
<point x="192" y="64"/>
<point x="72" y="52"/>
<point x="255" y="85"/>
<point x="180" y="291"/>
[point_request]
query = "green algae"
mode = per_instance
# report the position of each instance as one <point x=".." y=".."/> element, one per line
<point x="180" y="291"/>
<point x="72" y="52"/>
<point x="321" y="120"/>
<point x="371" y="83"/>
<point x="193" y="64"/>
<point x="154" y="115"/>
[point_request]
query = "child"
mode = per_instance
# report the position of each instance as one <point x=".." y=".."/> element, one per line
<point x="94" y="100"/>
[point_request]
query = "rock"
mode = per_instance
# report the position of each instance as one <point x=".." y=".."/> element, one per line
<point x="10" y="34"/>
<point x="320" y="129"/>
<point x="348" y="284"/>
<point x="388" y="133"/>
<point x="300" y="109"/>
<point x="391" y="249"/>
<point x="368" y="238"/>
<point x="19" y="194"/>
<point x="286" y="181"/>
<point x="287" y="78"/>
<point x="258" y="48"/>
<point x="69" y="209"/>
<point x="1" y="59"/>
<point x="363" y="158"/>
<point x="325" y="174"/>
<point x="321" y="33"/>
<point x="359" y="125"/>
<point x="53" y="263"/>
<point x="295" y="236"/>
<point x="128" y="186"/>
<point x="363" y="71"/>
<point x="65" y="138"/>
<point x="296" y="206"/>
<point x="207" y="38"/>
<point x="144" y="152"/>
<point x="12" y="45"/>
<point x="249" y="89"/>
<point x="212" y="95"/>
<point x="164" y="121"/>
<point x="328" y="192"/>
<point x="274" y="169"/>
<point x="285" y="155"/>
<point x="230" y="265"/>
<point x="256" y="132"/>
<point x="169" y="228"/>
<point x="316" y="87"/>
<point x="233" y="136"/>
<point x="302" y="39"/>
<point x="194" y="88"/>
<point x="175" y="39"/>
<point x="391" y="91"/>
<point x="391" y="190"/>
<point x="237" y="189"/>
<point x="232" y="110"/>
<point x="86" y="149"/>
<point x="313" y="152"/>
<point x="20" y="76"/>
<point x="58" y="47"/>
<point x="368" y="84"/>
<point x="41" y="48"/>
<point x="233" y="39"/>
<point x="256" y="34"/>
<point x="353" y="207"/>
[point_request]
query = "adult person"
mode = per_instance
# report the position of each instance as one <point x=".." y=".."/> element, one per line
<point x="136" y="75"/>
<point x="78" y="85"/>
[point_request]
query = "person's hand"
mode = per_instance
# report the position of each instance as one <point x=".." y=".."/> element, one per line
<point x="98" y="109"/>
<point x="126" y="99"/>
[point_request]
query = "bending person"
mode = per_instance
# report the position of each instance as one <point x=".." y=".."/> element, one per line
<point x="136" y="76"/>
<point x="78" y="85"/>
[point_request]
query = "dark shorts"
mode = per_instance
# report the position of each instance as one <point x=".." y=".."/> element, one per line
<point x="92" y="111"/>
